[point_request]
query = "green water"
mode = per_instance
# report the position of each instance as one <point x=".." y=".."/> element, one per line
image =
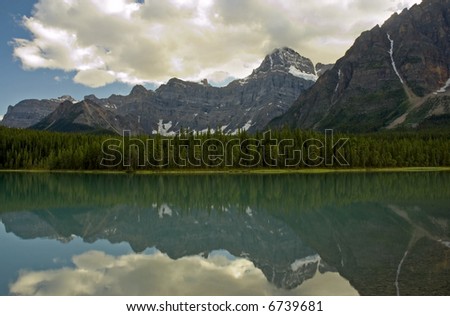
<point x="300" y="234"/>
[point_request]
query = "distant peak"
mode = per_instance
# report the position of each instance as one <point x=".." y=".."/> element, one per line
<point x="64" y="98"/>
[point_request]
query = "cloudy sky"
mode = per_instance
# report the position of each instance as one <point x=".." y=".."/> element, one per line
<point x="53" y="47"/>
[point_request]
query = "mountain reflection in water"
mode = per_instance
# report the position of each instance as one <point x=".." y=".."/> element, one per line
<point x="344" y="234"/>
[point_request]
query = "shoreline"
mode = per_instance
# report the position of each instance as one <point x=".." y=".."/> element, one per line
<point x="255" y="171"/>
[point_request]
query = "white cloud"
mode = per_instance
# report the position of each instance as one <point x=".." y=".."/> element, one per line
<point x="1" y="118"/>
<point x="96" y="273"/>
<point x="131" y="42"/>
<point x="94" y="77"/>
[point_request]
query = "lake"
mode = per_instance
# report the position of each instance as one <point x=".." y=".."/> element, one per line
<point x="287" y="234"/>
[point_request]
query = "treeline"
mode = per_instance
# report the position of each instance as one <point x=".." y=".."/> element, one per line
<point x="26" y="149"/>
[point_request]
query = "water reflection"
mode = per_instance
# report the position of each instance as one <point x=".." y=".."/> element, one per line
<point x="386" y="234"/>
<point x="265" y="240"/>
<point x="96" y="273"/>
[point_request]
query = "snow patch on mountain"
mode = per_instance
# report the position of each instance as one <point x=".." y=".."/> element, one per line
<point x="163" y="129"/>
<point x="445" y="87"/>
<point x="111" y="106"/>
<point x="247" y="126"/>
<point x="271" y="61"/>
<point x="399" y="268"/>
<point x="304" y="262"/>
<point x="339" y="80"/>
<point x="164" y="210"/>
<point x="301" y="74"/>
<point x="391" y="53"/>
<point x="340" y="253"/>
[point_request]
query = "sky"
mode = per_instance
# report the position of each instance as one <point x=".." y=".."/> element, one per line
<point x="50" y="48"/>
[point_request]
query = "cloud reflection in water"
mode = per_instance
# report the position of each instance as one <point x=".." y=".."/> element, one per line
<point x="96" y="273"/>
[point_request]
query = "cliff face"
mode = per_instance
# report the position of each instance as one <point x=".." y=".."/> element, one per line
<point x="389" y="72"/>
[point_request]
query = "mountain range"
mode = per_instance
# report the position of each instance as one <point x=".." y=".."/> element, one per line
<point x="246" y="104"/>
<point x="394" y="76"/>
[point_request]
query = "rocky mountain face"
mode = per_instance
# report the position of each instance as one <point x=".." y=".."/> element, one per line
<point x="84" y="116"/>
<point x="395" y="75"/>
<point x="247" y="104"/>
<point x="29" y="112"/>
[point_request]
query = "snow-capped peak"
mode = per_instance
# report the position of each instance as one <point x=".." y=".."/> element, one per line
<point x="289" y="61"/>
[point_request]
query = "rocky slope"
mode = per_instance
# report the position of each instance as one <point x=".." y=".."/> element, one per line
<point x="385" y="78"/>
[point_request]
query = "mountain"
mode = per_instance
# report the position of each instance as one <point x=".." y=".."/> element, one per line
<point x="395" y="75"/>
<point x="85" y="116"/>
<point x="245" y="104"/>
<point x="29" y="112"/>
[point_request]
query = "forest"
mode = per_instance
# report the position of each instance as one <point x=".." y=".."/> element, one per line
<point x="279" y="149"/>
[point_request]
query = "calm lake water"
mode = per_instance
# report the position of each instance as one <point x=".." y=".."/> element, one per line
<point x="317" y="234"/>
